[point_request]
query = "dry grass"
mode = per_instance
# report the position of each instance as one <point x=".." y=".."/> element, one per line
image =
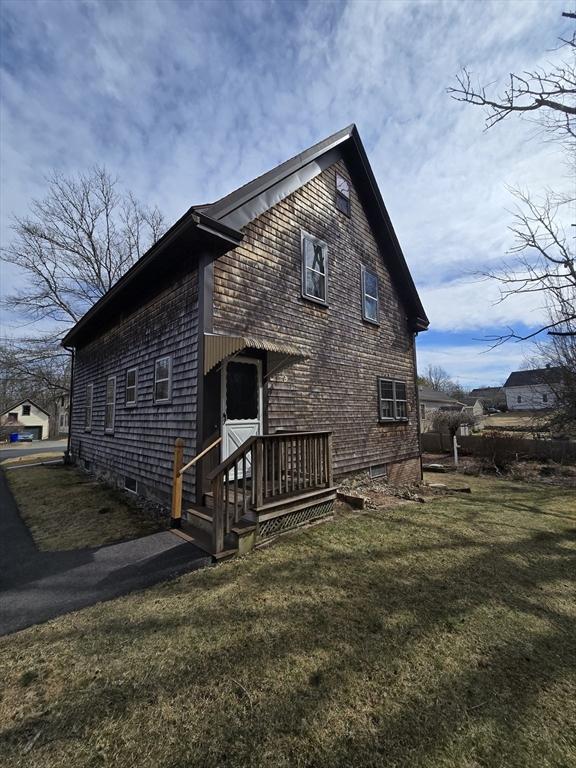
<point x="439" y="634"/>
<point x="31" y="458"/>
<point x="66" y="509"/>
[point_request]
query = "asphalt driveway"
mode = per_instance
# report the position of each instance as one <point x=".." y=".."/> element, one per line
<point x="37" y="586"/>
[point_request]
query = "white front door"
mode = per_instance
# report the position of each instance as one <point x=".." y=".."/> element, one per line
<point x="241" y="403"/>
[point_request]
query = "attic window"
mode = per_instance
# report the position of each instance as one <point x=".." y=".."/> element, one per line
<point x="342" y="194"/>
<point x="314" y="269"/>
<point x="25" y="410"/>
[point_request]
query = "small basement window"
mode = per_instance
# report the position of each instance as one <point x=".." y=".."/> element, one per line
<point x="163" y="380"/>
<point x="379" y="470"/>
<point x="88" y="407"/>
<point x="369" y="295"/>
<point x="131" y="386"/>
<point x="110" y="404"/>
<point x="25" y="410"/>
<point x="392" y="400"/>
<point x="314" y="269"/>
<point x="130" y="484"/>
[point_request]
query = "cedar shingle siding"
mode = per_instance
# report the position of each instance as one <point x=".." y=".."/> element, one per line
<point x="257" y="291"/>
<point x="141" y="446"/>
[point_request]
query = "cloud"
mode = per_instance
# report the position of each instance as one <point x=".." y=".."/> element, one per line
<point x="186" y="101"/>
<point x="473" y="365"/>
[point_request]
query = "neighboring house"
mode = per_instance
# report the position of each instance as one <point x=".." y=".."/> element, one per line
<point x="432" y="401"/>
<point x="490" y="397"/>
<point x="27" y="417"/>
<point x="533" y="389"/>
<point x="281" y="313"/>
<point x="62" y="414"/>
<point x="474" y="405"/>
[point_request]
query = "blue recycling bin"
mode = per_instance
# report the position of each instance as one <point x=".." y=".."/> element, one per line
<point x="13" y="437"/>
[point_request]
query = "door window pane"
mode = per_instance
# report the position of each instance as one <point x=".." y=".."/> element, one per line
<point x="241" y="391"/>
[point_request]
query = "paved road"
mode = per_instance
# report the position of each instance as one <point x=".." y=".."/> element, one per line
<point x="37" y="586"/>
<point x="11" y="450"/>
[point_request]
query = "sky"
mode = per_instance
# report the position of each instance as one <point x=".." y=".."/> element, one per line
<point x="185" y="101"/>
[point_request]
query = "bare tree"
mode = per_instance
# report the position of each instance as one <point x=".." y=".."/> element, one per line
<point x="79" y="240"/>
<point x="548" y="96"/>
<point x="437" y="378"/>
<point x="543" y="261"/>
<point x="449" y="421"/>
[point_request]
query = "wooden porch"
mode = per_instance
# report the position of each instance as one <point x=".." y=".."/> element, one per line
<point x="270" y="484"/>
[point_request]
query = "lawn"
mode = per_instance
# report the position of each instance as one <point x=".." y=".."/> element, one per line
<point x="66" y="509"/>
<point x="439" y="634"/>
<point x="31" y="458"/>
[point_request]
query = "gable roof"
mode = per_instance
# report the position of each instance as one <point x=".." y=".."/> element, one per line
<point x="219" y="223"/>
<point x="533" y="377"/>
<point x="21" y="402"/>
<point x="434" y="396"/>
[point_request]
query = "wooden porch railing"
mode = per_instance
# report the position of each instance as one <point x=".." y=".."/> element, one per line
<point x="178" y="475"/>
<point x="267" y="468"/>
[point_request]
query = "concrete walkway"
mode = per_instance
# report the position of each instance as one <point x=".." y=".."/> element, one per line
<point x="37" y="586"/>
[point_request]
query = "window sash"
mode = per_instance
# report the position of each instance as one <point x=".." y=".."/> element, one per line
<point x="312" y="276"/>
<point x="393" y="402"/>
<point x="88" y="406"/>
<point x="110" y="413"/>
<point x="162" y="383"/>
<point x="343" y="194"/>
<point x="132" y="388"/>
<point x="370" y="298"/>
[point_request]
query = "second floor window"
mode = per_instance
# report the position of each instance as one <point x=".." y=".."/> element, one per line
<point x="25" y="410"/>
<point x="163" y="380"/>
<point x="110" y="413"/>
<point x="314" y="269"/>
<point x="369" y="295"/>
<point x="131" y="386"/>
<point x="88" y="406"/>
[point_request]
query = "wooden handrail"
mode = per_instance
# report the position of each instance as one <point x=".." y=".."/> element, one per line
<point x="229" y="460"/>
<point x="200" y="455"/>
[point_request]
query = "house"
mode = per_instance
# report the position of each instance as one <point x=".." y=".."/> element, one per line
<point x="432" y="401"/>
<point x="62" y="414"/>
<point x="27" y="417"/>
<point x="533" y="389"/>
<point x="273" y="332"/>
<point x="490" y="397"/>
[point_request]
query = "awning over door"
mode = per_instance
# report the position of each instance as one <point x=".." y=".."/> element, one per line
<point x="218" y="346"/>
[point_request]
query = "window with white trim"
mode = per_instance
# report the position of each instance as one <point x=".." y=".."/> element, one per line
<point x="163" y="380"/>
<point x="343" y="194"/>
<point x="369" y="295"/>
<point x="392" y="402"/>
<point x="25" y="410"/>
<point x="110" y="413"/>
<point x="131" y="386"/>
<point x="314" y="269"/>
<point x="88" y="407"/>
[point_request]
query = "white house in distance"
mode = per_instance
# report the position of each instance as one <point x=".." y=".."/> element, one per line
<point x="533" y="389"/>
<point x="29" y="418"/>
<point x="63" y="413"/>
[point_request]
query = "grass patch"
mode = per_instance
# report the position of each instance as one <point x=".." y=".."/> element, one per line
<point x="423" y="635"/>
<point x="66" y="509"/>
<point x="31" y="458"/>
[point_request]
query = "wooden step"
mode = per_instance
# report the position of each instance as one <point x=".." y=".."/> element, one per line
<point x="293" y="502"/>
<point x="203" y="541"/>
